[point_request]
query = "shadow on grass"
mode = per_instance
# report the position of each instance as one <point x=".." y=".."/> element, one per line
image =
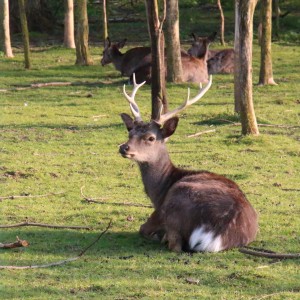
<point x="66" y="243"/>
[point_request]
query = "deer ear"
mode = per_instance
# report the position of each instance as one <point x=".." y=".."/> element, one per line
<point x="128" y="121"/>
<point x="194" y="36"/>
<point x="107" y="42"/>
<point x="122" y="43"/>
<point x="212" y="37"/>
<point x="169" y="127"/>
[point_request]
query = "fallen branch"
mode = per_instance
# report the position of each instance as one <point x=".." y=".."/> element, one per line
<point x="47" y="84"/>
<point x="268" y="253"/>
<point x="16" y="244"/>
<point x="12" y="197"/>
<point x="260" y="125"/>
<point x="202" y="132"/>
<point x="44" y="225"/>
<point x="61" y="262"/>
<point x="95" y="200"/>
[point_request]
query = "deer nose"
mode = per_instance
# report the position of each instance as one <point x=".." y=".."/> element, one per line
<point x="124" y="148"/>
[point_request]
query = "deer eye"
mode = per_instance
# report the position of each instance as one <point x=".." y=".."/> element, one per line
<point x="151" y="138"/>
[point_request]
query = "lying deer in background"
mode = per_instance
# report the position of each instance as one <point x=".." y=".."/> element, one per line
<point x="126" y="62"/>
<point x="219" y="61"/>
<point x="194" y="210"/>
<point x="194" y="69"/>
<point x="138" y="60"/>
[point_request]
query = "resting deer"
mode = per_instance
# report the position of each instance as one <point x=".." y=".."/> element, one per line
<point x="126" y="62"/>
<point x="194" y="210"/>
<point x="194" y="69"/>
<point x="218" y="61"/>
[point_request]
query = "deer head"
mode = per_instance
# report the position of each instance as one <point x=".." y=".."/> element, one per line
<point x="200" y="45"/>
<point x="111" y="50"/>
<point x="147" y="140"/>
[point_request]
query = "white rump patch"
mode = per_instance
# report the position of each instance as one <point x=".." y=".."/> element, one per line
<point x="205" y="241"/>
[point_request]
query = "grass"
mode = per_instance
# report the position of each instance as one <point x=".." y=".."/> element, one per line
<point x="67" y="137"/>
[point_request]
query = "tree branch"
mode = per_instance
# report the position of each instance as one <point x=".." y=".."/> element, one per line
<point x="16" y="244"/>
<point x="44" y="225"/>
<point x="47" y="84"/>
<point x="61" y="262"/>
<point x="94" y="200"/>
<point x="202" y="132"/>
<point x="268" y="253"/>
<point x="29" y="196"/>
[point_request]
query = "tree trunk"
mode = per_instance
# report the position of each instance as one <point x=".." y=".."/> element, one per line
<point x="82" y="34"/>
<point x="243" y="92"/>
<point x="277" y="17"/>
<point x="105" y="30"/>
<point x="25" y="34"/>
<point x="237" y="103"/>
<point x="158" y="84"/>
<point x="5" y="30"/>
<point x="174" y="66"/>
<point x="69" y="41"/>
<point x="222" y="23"/>
<point x="266" y="71"/>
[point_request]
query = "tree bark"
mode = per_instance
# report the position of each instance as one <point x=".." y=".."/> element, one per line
<point x="105" y="27"/>
<point x="222" y="23"/>
<point x="25" y="34"/>
<point x="237" y="103"/>
<point x="82" y="34"/>
<point x="243" y="79"/>
<point x="277" y="17"/>
<point x="266" y="70"/>
<point x="69" y="41"/>
<point x="174" y="66"/>
<point x="158" y="85"/>
<point x="4" y="28"/>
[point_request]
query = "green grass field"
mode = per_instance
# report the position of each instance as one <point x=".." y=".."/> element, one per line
<point x="59" y="139"/>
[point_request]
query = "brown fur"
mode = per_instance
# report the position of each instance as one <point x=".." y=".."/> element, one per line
<point x="185" y="200"/>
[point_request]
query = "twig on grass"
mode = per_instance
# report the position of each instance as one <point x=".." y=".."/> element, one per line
<point x="61" y="262"/>
<point x="47" y="84"/>
<point x="44" y="225"/>
<point x="260" y="125"/>
<point x="95" y="200"/>
<point x="268" y="253"/>
<point x="12" y="197"/>
<point x="16" y="244"/>
<point x="202" y="132"/>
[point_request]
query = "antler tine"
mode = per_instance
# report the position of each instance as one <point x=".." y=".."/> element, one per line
<point x="133" y="106"/>
<point x="163" y="118"/>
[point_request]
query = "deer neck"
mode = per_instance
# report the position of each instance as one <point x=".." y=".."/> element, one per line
<point x="117" y="59"/>
<point x="158" y="178"/>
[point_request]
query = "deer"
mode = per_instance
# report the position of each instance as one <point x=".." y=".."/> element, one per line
<point x="218" y="61"/>
<point x="126" y="62"/>
<point x="195" y="211"/>
<point x="193" y="70"/>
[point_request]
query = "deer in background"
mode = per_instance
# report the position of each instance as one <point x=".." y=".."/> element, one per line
<point x="127" y="63"/>
<point x="194" y="68"/>
<point x="219" y="61"/>
<point x="138" y="60"/>
<point x="193" y="210"/>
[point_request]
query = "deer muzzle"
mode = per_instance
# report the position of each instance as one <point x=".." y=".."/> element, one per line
<point x="124" y="148"/>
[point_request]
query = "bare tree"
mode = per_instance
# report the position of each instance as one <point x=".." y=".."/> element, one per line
<point x="158" y="85"/>
<point x="25" y="33"/>
<point x="104" y="22"/>
<point x="266" y="70"/>
<point x="222" y="23"/>
<point x="174" y="66"/>
<point x="69" y="40"/>
<point x="82" y="34"/>
<point x="244" y="10"/>
<point x="4" y="28"/>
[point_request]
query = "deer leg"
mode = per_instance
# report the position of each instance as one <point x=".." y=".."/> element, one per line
<point x="153" y="228"/>
<point x="174" y="241"/>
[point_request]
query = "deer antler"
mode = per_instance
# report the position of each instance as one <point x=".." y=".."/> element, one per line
<point x="163" y="118"/>
<point x="133" y="106"/>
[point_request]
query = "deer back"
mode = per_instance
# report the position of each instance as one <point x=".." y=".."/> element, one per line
<point x="222" y="62"/>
